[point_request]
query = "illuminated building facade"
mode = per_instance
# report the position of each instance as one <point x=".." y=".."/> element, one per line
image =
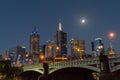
<point x="49" y="50"/>
<point x="97" y="46"/>
<point x="16" y="54"/>
<point x="60" y="42"/>
<point x="34" y="45"/>
<point x="5" y="56"/>
<point x="77" y="48"/>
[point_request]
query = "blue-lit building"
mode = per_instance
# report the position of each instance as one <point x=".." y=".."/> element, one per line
<point x="97" y="46"/>
<point x="16" y="54"/>
<point x="60" y="42"/>
<point x="34" y="45"/>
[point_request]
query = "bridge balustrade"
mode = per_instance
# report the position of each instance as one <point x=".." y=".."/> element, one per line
<point x="75" y="63"/>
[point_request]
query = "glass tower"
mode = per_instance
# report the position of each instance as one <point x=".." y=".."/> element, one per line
<point x="16" y="54"/>
<point x="97" y="46"/>
<point x="60" y="42"/>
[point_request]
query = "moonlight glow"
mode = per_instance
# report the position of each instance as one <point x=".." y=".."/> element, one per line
<point x="83" y="21"/>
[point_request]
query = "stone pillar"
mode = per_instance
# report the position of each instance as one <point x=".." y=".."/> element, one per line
<point x="45" y="75"/>
<point x="104" y="66"/>
<point x="46" y="68"/>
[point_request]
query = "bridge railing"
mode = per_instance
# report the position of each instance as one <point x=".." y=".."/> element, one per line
<point x="76" y="62"/>
<point x="83" y="64"/>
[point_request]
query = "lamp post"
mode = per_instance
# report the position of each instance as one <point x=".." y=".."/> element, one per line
<point x="111" y="36"/>
<point x="42" y="57"/>
<point x="57" y="50"/>
<point x="79" y="50"/>
<point x="101" y="49"/>
<point x="45" y="65"/>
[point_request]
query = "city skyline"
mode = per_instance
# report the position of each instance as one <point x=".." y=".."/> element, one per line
<point x="18" y="18"/>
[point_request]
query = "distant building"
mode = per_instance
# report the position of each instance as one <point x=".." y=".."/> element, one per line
<point x="60" y="42"/>
<point x="34" y="45"/>
<point x="42" y="49"/>
<point x="17" y="54"/>
<point x="110" y="51"/>
<point x="78" y="49"/>
<point x="1" y="57"/>
<point x="49" y="50"/>
<point x="97" y="46"/>
<point x="5" y="56"/>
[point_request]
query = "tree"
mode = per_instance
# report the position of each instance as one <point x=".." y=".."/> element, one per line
<point x="4" y="67"/>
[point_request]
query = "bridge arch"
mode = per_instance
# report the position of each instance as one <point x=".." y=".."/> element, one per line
<point x="72" y="73"/>
<point x="36" y="70"/>
<point x="55" y="68"/>
<point x="30" y="75"/>
<point x="115" y="68"/>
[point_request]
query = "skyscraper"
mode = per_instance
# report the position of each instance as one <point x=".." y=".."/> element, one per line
<point x="97" y="46"/>
<point x="34" y="45"/>
<point x="16" y="53"/>
<point x="77" y="48"/>
<point x="49" y="50"/>
<point x="60" y="42"/>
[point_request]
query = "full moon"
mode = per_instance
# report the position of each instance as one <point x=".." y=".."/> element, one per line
<point x="83" y="21"/>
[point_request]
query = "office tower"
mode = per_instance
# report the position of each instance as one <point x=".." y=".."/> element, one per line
<point x="97" y="46"/>
<point x="60" y="42"/>
<point x="34" y="45"/>
<point x="49" y="50"/>
<point x="16" y="54"/>
<point x="77" y="48"/>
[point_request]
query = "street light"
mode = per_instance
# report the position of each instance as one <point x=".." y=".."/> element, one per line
<point x="101" y="49"/>
<point x="111" y="36"/>
<point x="79" y="50"/>
<point x="42" y="57"/>
<point x="57" y="48"/>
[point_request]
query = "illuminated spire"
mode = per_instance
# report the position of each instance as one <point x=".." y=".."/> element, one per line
<point x="60" y="26"/>
<point x="35" y="30"/>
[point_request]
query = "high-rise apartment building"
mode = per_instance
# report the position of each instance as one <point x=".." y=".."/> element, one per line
<point x="60" y="42"/>
<point x="34" y="45"/>
<point x="77" y="48"/>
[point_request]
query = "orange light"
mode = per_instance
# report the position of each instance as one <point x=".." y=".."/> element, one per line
<point x="57" y="48"/>
<point x="42" y="57"/>
<point x="78" y="49"/>
<point x="26" y="55"/>
<point x="50" y="47"/>
<point x="112" y="35"/>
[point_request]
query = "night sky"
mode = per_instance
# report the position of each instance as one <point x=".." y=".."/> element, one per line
<point x="18" y="18"/>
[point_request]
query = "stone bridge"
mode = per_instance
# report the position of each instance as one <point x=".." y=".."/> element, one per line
<point x="88" y="63"/>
